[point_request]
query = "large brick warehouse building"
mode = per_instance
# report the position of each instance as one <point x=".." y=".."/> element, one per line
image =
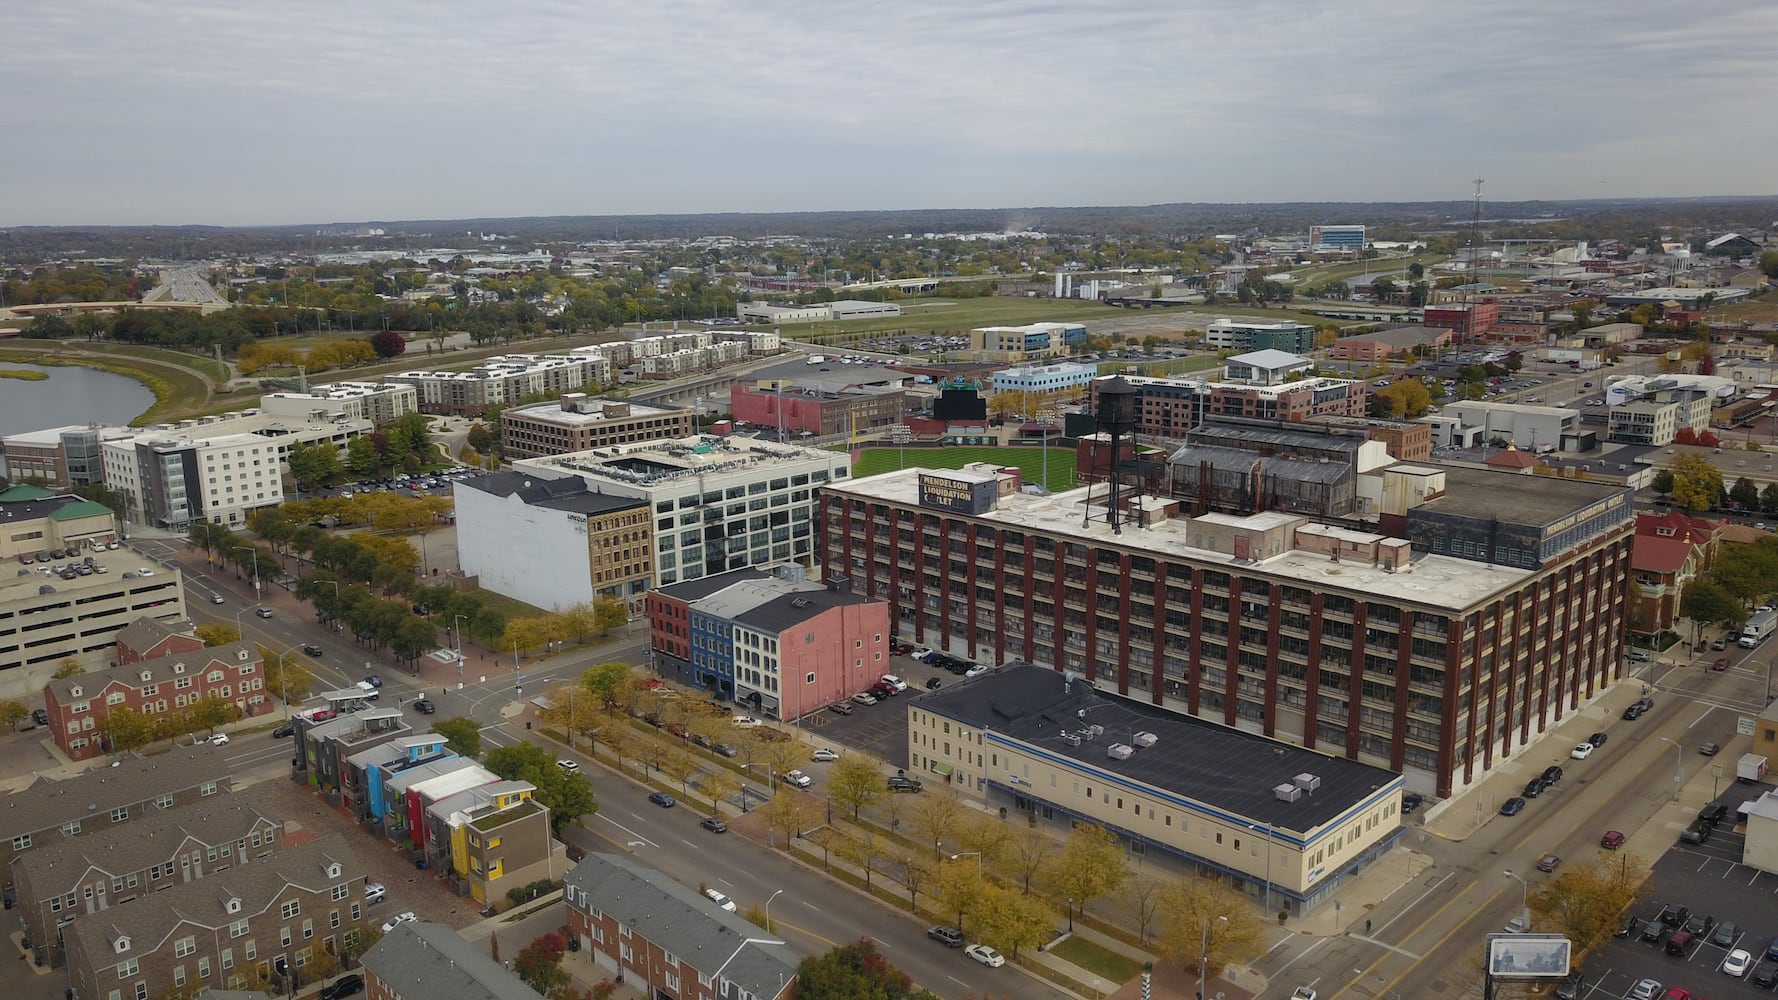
<point x="1435" y="639"/>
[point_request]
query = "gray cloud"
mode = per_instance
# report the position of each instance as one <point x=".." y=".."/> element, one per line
<point x="125" y="111"/>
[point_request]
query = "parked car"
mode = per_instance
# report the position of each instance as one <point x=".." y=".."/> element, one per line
<point x="841" y="708"/>
<point x="726" y="749"/>
<point x="1410" y="802"/>
<point x="985" y="955"/>
<point x="568" y="765"/>
<point x="797" y="778"/>
<point x="1552" y="774"/>
<point x="40" y="716"/>
<point x="1571" y="987"/>
<point x="933" y="684"/>
<point x="720" y="900"/>
<point x="1582" y="751"/>
<point x="1765" y="974"/>
<point x="1597" y="739"/>
<point x="287" y="729"/>
<point x="865" y="698"/>
<point x="895" y="683"/>
<point x="374" y="893"/>
<point x="1548" y="863"/>
<point x="1535" y="787"/>
<point x="662" y="799"/>
<point x="1512" y="806"/>
<point x="1709" y="749"/>
<point x="920" y="652"/>
<point x="1628" y="927"/>
<point x="219" y="739"/>
<point x="344" y="986"/>
<point x="400" y="918"/>
<point x="1714" y="813"/>
<point x="1612" y="840"/>
<point x="1675" y="916"/>
<point x="1737" y="962"/>
<point x="825" y="754"/>
<point x="1725" y="934"/>
<point x="903" y="783"/>
<point x="950" y="937"/>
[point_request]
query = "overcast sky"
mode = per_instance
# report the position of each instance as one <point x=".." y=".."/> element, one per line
<point x="252" y="112"/>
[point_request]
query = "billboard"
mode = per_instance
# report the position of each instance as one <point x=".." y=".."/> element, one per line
<point x="1528" y="956"/>
<point x="961" y="494"/>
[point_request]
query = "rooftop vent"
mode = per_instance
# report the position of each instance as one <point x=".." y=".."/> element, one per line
<point x="1071" y="739"/>
<point x="1145" y="740"/>
<point x="1287" y="793"/>
<point x="1307" y="782"/>
<point x="1119" y="751"/>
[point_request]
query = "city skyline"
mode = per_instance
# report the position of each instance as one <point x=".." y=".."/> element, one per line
<point x="239" y="115"/>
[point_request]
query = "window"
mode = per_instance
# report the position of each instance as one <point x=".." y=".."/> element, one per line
<point x="127" y="968"/>
<point x="204" y="967"/>
<point x="291" y="909"/>
<point x="207" y="788"/>
<point x="185" y="946"/>
<point x="238" y="929"/>
<point x="341" y="891"/>
<point x="284" y="937"/>
<point x="308" y="929"/>
<point x="120" y="814"/>
<point x="21" y="842"/>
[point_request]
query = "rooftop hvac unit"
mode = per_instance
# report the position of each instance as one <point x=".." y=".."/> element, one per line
<point x="1307" y="782"/>
<point x="1145" y="740"/>
<point x="1071" y="739"/>
<point x="1119" y="751"/>
<point x="1287" y="793"/>
<point x="1096" y="730"/>
<point x="1087" y="734"/>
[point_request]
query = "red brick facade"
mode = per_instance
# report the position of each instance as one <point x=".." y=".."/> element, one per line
<point x="156" y="687"/>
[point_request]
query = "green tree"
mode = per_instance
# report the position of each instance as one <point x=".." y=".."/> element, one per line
<point x="957" y="888"/>
<point x="566" y="794"/>
<point x="69" y="667"/>
<point x="480" y="438"/>
<point x="609" y="683"/>
<point x="1696" y="483"/>
<point x="1745" y="493"/>
<point x="1090" y="864"/>
<point x="462" y="735"/>
<point x="313" y="465"/>
<point x="1768" y="264"/>
<point x="1009" y="920"/>
<point x="609" y="613"/>
<point x="13" y="712"/>
<point x="855" y="972"/>
<point x="125" y="729"/>
<point x="1706" y="603"/>
<point x="853" y="783"/>
<point x="362" y="458"/>
<point x="1662" y="482"/>
<point x="1768" y="499"/>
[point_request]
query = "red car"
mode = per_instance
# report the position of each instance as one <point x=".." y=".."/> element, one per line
<point x="1612" y="840"/>
<point x="1722" y="663"/>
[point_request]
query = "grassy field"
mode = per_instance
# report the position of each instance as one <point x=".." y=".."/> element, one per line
<point x="872" y="461"/>
<point x="1098" y="959"/>
<point x="1167" y="366"/>
<point x="1760" y="310"/>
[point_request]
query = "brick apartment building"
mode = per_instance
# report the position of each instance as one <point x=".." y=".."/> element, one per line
<point x="578" y="423"/>
<point x="151" y="639"/>
<point x="157" y="687"/>
<point x="667" y="939"/>
<point x="87" y="877"/>
<point x="51" y="810"/>
<point x="799" y="409"/>
<point x="252" y="923"/>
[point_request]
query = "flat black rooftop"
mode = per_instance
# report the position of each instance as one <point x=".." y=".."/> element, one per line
<point x="1515" y="498"/>
<point x="704" y="586"/>
<point x="1222" y="768"/>
<point x="570" y="494"/>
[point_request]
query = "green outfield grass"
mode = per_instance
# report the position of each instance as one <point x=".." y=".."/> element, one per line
<point x="1161" y="366"/>
<point x="872" y="461"/>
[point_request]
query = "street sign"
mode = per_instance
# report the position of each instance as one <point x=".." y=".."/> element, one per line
<point x="1744" y="725"/>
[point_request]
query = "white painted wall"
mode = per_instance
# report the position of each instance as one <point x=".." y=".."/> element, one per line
<point x="531" y="554"/>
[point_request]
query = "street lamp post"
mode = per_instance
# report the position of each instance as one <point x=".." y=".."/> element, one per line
<point x="457" y="627"/>
<point x="768" y="909"/>
<point x="978" y="860"/>
<point x="1678" y="765"/>
<point x="1524" y="894"/>
<point x="284" y="688"/>
<point x="1204" y="953"/>
<point x="255" y="554"/>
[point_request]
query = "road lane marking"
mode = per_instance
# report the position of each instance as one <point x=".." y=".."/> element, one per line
<point x="1700" y="719"/>
<point x="633" y="834"/>
<point x="959" y="982"/>
<point x="810" y="905"/>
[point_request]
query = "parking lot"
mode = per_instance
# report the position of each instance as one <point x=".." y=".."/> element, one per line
<point x="1709" y="879"/>
<point x="881" y="730"/>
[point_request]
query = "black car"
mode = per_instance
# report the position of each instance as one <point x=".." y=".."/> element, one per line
<point x="1535" y="787"/>
<point x="1552" y="774"/>
<point x="1634" y="712"/>
<point x="1410" y="802"/>
<point x="424" y="706"/>
<point x="1725" y="934"/>
<point x="1714" y="813"/>
<point x="40" y="716"/>
<point x="1512" y="806"/>
<point x="1572" y="987"/>
<point x="1675" y="916"/>
<point x="1700" y="923"/>
<point x="713" y="824"/>
<point x="903" y="783"/>
<point x="1697" y="833"/>
<point x="934" y="684"/>
<point x="310" y="649"/>
<point x="1765" y="974"/>
<point x="287" y="729"/>
<point x="344" y="986"/>
<point x="1654" y="931"/>
<point x="1628" y="927"/>
<point x="661" y="799"/>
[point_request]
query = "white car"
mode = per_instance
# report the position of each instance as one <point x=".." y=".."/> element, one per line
<point x="985" y="955"/>
<point x="144" y="571"/>
<point x="215" y="598"/>
<point x="1737" y="964"/>
<point x="921" y="652"/>
<point x="797" y="778"/>
<point x="975" y="671"/>
<point x="895" y="682"/>
<point x="568" y="765"/>
<point x="219" y="740"/>
<point x="405" y="916"/>
<point x="720" y="900"/>
<point x="825" y="754"/>
<point x="374" y="893"/>
<point x="747" y="722"/>
<point x="1583" y="751"/>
